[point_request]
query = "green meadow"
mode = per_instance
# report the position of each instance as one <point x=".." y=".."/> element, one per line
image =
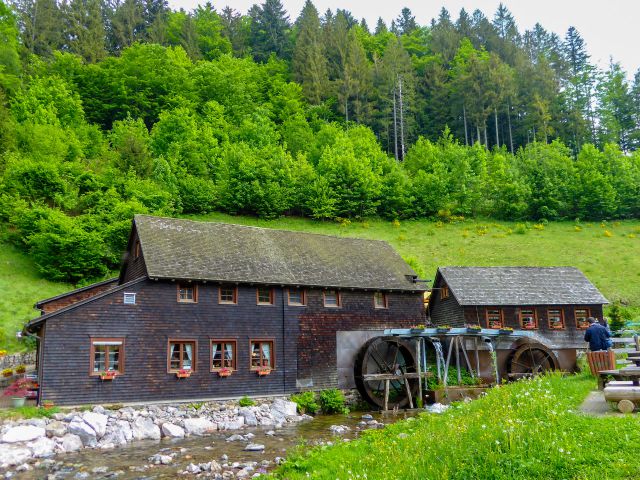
<point x="608" y="253"/>
<point x="531" y="429"/>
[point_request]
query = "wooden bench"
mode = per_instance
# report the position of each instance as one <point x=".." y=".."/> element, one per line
<point x="602" y="360"/>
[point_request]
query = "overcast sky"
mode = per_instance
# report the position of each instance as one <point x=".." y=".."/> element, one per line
<point x="610" y="28"/>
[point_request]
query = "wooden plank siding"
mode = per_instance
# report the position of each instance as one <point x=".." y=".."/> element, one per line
<point x="133" y="266"/>
<point x="304" y="338"/>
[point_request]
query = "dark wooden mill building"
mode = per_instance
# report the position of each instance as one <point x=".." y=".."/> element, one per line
<point x="198" y="301"/>
<point x="550" y="304"/>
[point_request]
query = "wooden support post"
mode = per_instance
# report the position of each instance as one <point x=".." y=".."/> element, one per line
<point x="463" y="347"/>
<point x="408" y="388"/>
<point x="419" y="357"/>
<point x="458" y="359"/>
<point x="386" y="395"/>
<point x="448" y="362"/>
<point x="477" y="357"/>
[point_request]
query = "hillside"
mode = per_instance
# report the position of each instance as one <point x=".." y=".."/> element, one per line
<point x="21" y="287"/>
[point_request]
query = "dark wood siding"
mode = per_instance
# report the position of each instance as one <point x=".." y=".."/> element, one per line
<point x="157" y="316"/>
<point x="133" y="267"/>
<point x="445" y="311"/>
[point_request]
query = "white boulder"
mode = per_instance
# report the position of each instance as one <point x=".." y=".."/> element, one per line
<point x="23" y="433"/>
<point x="97" y="421"/>
<point x="42" y="447"/>
<point x="172" y="431"/>
<point x="144" y="428"/>
<point x="199" y="426"/>
<point x="69" y="443"/>
<point x="13" y="455"/>
<point x="249" y="415"/>
<point x="284" y="407"/>
<point x="56" y="429"/>
<point x="85" y="432"/>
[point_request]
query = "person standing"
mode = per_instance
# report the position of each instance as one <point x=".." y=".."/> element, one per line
<point x="597" y="336"/>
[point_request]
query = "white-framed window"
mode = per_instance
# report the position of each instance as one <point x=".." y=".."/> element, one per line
<point x="129" y="298"/>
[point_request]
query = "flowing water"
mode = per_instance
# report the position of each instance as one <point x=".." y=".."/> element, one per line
<point x="494" y="360"/>
<point x="131" y="462"/>
<point x="440" y="362"/>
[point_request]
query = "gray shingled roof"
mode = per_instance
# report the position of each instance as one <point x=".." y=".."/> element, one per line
<point x="185" y="249"/>
<point x="520" y="286"/>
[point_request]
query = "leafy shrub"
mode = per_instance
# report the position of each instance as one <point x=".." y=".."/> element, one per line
<point x="246" y="402"/>
<point x="520" y="229"/>
<point x="7" y="372"/>
<point x="306" y="402"/>
<point x="332" y="401"/>
<point x="21" y="369"/>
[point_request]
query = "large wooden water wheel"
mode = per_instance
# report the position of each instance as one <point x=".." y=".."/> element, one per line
<point x="381" y="370"/>
<point x="531" y="359"/>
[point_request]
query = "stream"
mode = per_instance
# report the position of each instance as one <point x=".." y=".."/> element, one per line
<point x="133" y="462"/>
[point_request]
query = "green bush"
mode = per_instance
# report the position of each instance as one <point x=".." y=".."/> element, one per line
<point x="306" y="402"/>
<point x="246" y="402"/>
<point x="332" y="401"/>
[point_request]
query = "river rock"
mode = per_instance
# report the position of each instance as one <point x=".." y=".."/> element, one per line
<point x="144" y="428"/>
<point x="160" y="459"/>
<point x="23" y="433"/>
<point x="172" y="431"/>
<point x="249" y="415"/>
<point x="215" y="467"/>
<point x="97" y="421"/>
<point x="125" y="427"/>
<point x="56" y="429"/>
<point x="13" y="455"/>
<point x="232" y="424"/>
<point x="42" y="447"/>
<point x="114" y="436"/>
<point x="282" y="407"/>
<point x="254" y="447"/>
<point x="199" y="426"/>
<point x="84" y="431"/>
<point x="367" y="417"/>
<point x="69" y="443"/>
<point x="235" y="438"/>
<point x="339" y="429"/>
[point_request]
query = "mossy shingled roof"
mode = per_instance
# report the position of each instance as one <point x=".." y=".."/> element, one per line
<point x="222" y="252"/>
<point x="495" y="286"/>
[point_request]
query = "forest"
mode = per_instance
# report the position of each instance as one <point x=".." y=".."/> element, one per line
<point x="114" y="107"/>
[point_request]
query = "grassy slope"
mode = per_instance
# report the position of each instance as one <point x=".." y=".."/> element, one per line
<point x="21" y="287"/>
<point x="612" y="263"/>
<point x="525" y="430"/>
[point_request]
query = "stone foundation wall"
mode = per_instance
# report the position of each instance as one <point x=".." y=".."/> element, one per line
<point x="11" y="361"/>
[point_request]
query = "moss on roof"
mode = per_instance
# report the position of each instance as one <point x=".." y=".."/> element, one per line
<point x="186" y="249"/>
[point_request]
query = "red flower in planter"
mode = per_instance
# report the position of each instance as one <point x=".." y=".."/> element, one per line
<point x="183" y="373"/>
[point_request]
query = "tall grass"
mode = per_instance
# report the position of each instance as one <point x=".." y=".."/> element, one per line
<point x="531" y="429"/>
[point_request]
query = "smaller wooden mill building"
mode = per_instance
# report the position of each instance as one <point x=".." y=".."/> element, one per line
<point x="550" y="305"/>
<point x="212" y="310"/>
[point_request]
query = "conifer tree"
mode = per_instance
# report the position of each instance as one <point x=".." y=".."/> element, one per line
<point x="86" y="34"/>
<point x="270" y="29"/>
<point x="40" y="24"/>
<point x="309" y="61"/>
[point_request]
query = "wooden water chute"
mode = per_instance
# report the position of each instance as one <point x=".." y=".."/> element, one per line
<point x="391" y="370"/>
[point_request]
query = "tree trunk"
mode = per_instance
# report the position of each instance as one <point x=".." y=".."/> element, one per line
<point x="464" y="117"/>
<point x="401" y="120"/>
<point x="395" y="127"/>
<point x="509" y="122"/>
<point x="495" y="116"/>
<point x="478" y="133"/>
<point x="486" y="137"/>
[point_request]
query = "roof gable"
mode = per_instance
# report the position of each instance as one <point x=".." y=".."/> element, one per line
<point x="186" y="249"/>
<point x="520" y="286"/>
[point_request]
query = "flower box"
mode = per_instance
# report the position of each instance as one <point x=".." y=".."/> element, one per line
<point x="48" y="404"/>
<point x="505" y="331"/>
<point x="474" y="329"/>
<point x="224" y="372"/>
<point x="183" y="373"/>
<point x="443" y="329"/>
<point x="416" y="330"/>
<point x="108" y="376"/>
<point x="264" y="371"/>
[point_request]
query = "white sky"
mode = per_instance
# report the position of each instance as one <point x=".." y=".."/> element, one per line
<point x="609" y="27"/>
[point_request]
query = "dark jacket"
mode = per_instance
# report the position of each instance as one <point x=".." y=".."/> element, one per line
<point x="597" y="336"/>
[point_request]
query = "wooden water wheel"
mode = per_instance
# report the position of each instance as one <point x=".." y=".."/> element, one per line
<point x="531" y="359"/>
<point x="385" y="368"/>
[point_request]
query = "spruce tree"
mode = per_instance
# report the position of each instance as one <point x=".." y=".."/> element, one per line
<point x="270" y="30"/>
<point x="309" y="63"/>
<point x="86" y="34"/>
